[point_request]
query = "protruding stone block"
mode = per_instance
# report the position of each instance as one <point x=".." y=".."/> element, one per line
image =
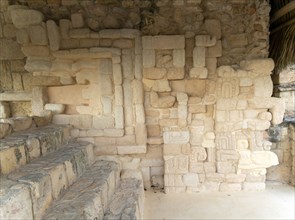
<point x="4" y="110"/>
<point x="38" y="35"/>
<point x="53" y="35"/>
<point x="77" y="20"/>
<point x="55" y="108"/>
<point x="215" y="51"/>
<point x="205" y="41"/>
<point x="199" y="56"/>
<point x="199" y="72"/>
<point x="176" y="137"/>
<point x="154" y="73"/>
<point x="148" y="58"/>
<point x="64" y="25"/>
<point x="179" y="58"/>
<point x="260" y="66"/>
<point x="39" y="99"/>
<point x="23" y="18"/>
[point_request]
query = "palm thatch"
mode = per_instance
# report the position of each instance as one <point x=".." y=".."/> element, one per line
<point x="282" y="38"/>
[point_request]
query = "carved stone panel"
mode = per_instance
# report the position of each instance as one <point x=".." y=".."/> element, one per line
<point x="176" y="164"/>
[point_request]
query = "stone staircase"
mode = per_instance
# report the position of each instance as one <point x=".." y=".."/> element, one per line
<point x="47" y="175"/>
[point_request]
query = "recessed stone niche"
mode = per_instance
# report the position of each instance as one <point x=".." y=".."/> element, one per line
<point x="161" y="100"/>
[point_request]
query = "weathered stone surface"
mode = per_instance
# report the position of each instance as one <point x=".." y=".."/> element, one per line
<point x="263" y="86"/>
<point x="37" y="51"/>
<point x="55" y="108"/>
<point x="37" y="33"/>
<point x="175" y="73"/>
<point x="10" y="50"/>
<point x="213" y="27"/>
<point x="19" y="123"/>
<point x="5" y="130"/>
<point x="53" y="35"/>
<point x="205" y="41"/>
<point x="176" y="137"/>
<point x="15" y="201"/>
<point x="154" y="73"/>
<point x="22" y="18"/>
<point x="215" y="51"/>
<point x="199" y="56"/>
<point x="4" y="110"/>
<point x="179" y="58"/>
<point x="260" y="66"/>
<point x="148" y="58"/>
<point x="77" y="20"/>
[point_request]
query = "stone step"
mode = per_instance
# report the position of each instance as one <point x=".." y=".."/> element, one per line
<point x="28" y="192"/>
<point x="127" y="201"/>
<point x="89" y="197"/>
<point x="23" y="147"/>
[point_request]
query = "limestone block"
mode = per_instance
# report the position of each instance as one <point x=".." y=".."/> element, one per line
<point x="127" y="64"/>
<point x="225" y="167"/>
<point x="22" y="18"/>
<point x="118" y="95"/>
<point x="106" y="105"/>
<point x="117" y="74"/>
<point x="199" y="72"/>
<point x="154" y="73"/>
<point x="137" y="92"/>
<point x="82" y="121"/>
<point x="265" y="116"/>
<point x="64" y="25"/>
<point x="85" y="64"/>
<point x="176" y="164"/>
<point x="138" y="67"/>
<point x="172" y="149"/>
<point x="162" y="42"/>
<point x="38" y="35"/>
<point x="253" y="186"/>
<point x="246" y="82"/>
<point x="162" y="102"/>
<point x="179" y="58"/>
<point x="16" y="201"/>
<point x="128" y="104"/>
<point x="257" y="159"/>
<point x="39" y="99"/>
<point x="71" y="95"/>
<point x="195" y="87"/>
<point x="106" y="88"/>
<point x="22" y="36"/>
<point x="182" y="98"/>
<point x="147" y="42"/>
<point x="113" y="132"/>
<point x="211" y="65"/>
<point x="176" y="137"/>
<point x="205" y="41"/>
<point x="37" y="51"/>
<point x="260" y="66"/>
<point x="79" y="33"/>
<point x="5" y="130"/>
<point x="53" y="35"/>
<point x="123" y="43"/>
<point x="61" y="119"/>
<point x="161" y="86"/>
<point x="10" y="50"/>
<point x="230" y="187"/>
<point x="263" y="86"/>
<point x="141" y="134"/>
<point x="77" y="20"/>
<point x="191" y="179"/>
<point x="213" y="27"/>
<point x="237" y="40"/>
<point x="256" y="124"/>
<point x="119" y="117"/>
<point x="139" y="149"/>
<point x="199" y="55"/>
<point x="4" y="110"/>
<point x="55" y="108"/>
<point x="148" y="58"/>
<point x="175" y="73"/>
<point x="34" y="65"/>
<point x="215" y="51"/>
<point x="103" y="122"/>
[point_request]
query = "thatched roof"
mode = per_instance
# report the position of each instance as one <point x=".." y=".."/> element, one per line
<point x="282" y="34"/>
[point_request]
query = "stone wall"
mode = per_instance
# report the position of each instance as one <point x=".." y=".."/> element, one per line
<point x="170" y="105"/>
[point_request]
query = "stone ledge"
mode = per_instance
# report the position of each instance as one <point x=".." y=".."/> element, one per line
<point x="89" y="197"/>
<point x="127" y="202"/>
<point x="48" y="177"/>
<point x="22" y="147"/>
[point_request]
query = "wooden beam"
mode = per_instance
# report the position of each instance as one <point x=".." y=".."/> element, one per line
<point x="282" y="11"/>
<point x="292" y="21"/>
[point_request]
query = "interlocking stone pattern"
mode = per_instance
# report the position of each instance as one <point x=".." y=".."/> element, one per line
<point x="185" y="101"/>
